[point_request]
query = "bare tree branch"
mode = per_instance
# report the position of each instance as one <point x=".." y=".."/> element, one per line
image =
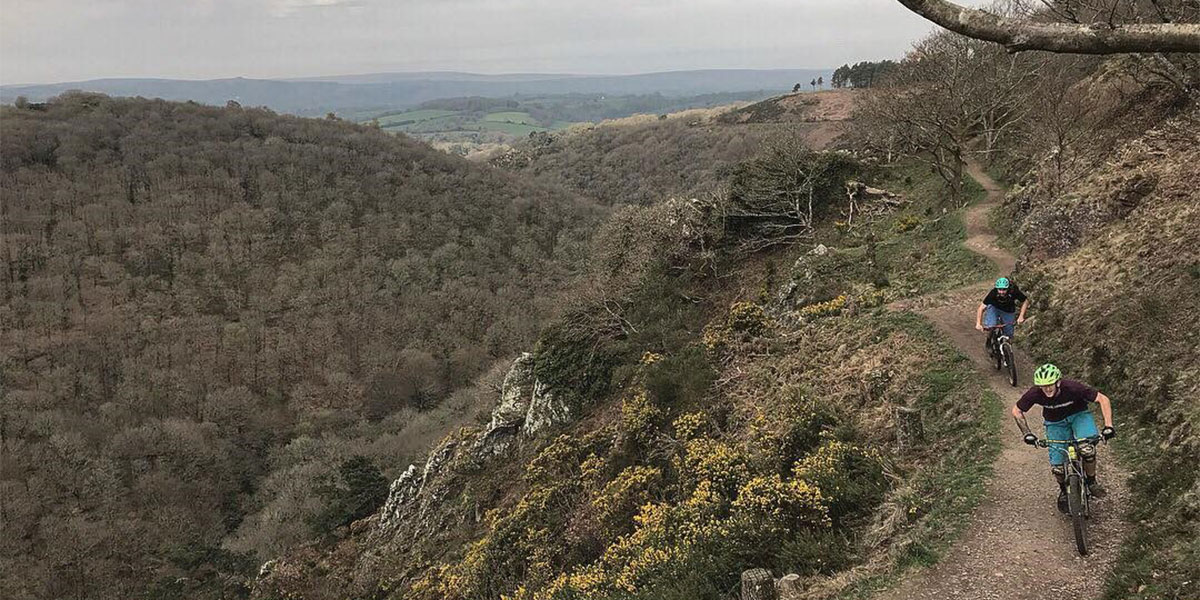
<point x="1096" y="38"/>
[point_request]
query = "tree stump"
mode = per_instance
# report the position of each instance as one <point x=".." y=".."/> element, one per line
<point x="758" y="584"/>
<point x="909" y="429"/>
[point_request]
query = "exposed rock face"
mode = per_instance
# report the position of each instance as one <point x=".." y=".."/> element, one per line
<point x="425" y="502"/>
<point x="404" y="489"/>
<point x="545" y="410"/>
<point x="526" y="407"/>
<point x="516" y="394"/>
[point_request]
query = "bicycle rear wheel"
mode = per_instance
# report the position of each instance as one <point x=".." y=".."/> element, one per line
<point x="1078" y="512"/>
<point x="1006" y="350"/>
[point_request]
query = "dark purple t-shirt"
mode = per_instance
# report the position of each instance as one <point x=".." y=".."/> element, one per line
<point x="1071" y="398"/>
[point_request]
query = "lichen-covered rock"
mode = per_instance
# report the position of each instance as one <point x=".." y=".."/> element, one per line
<point x="516" y="395"/>
<point x="526" y="407"/>
<point x="545" y="410"/>
<point x="403" y="491"/>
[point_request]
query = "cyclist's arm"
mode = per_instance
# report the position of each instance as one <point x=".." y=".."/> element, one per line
<point x="1024" y="307"/>
<point x="1019" y="416"/>
<point x="1105" y="408"/>
<point x="979" y="316"/>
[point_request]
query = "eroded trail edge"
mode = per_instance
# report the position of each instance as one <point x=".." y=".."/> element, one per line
<point x="1017" y="545"/>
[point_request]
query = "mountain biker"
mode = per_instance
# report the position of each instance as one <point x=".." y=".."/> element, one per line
<point x="1000" y="306"/>
<point x="1066" y="417"/>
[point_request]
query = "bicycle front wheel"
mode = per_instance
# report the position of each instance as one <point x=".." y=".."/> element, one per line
<point x="1078" y="513"/>
<point x="1012" y="364"/>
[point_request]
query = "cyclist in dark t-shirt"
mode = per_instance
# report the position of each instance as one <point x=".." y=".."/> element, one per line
<point x="1000" y="306"/>
<point x="1065" y="414"/>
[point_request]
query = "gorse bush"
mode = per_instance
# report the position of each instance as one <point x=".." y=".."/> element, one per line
<point x="850" y="478"/>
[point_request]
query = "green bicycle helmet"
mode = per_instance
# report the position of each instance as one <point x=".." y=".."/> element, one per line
<point x="1046" y="374"/>
<point x="1002" y="283"/>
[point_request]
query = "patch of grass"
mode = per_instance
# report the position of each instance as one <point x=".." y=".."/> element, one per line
<point x="914" y="250"/>
<point x="518" y="129"/>
<point x="522" y="118"/>
<point x="413" y="116"/>
<point x="931" y="257"/>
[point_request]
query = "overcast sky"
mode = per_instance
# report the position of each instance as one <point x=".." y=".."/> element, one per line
<point x="45" y="41"/>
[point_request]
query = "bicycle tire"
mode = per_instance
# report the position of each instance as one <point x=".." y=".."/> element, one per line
<point x="1006" y="350"/>
<point x="1077" y="510"/>
<point x="997" y="355"/>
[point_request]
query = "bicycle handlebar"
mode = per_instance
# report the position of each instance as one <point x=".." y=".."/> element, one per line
<point x="1044" y="443"/>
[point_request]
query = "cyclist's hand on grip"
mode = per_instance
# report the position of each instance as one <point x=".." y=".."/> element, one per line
<point x="1108" y="433"/>
<point x="1031" y="439"/>
<point x="979" y="327"/>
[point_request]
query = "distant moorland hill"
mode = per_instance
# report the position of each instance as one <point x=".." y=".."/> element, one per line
<point x="316" y="96"/>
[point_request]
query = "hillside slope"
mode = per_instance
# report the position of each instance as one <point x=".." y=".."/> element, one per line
<point x="709" y="402"/>
<point x="207" y="311"/>
<point x="646" y="158"/>
<point x="1119" y="301"/>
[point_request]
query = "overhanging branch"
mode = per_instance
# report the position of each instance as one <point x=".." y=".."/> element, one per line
<point x="1070" y="38"/>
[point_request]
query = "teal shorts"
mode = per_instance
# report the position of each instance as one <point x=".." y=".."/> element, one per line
<point x="1076" y="426"/>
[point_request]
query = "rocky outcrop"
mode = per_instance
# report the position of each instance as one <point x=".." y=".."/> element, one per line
<point x="526" y="407"/>
<point x="546" y="409"/>
<point x="403" y="491"/>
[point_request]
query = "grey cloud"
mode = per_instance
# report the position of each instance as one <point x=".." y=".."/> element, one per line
<point x="61" y="40"/>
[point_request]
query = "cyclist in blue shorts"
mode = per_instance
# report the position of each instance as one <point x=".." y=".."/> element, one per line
<point x="999" y="307"/>
<point x="1065" y="413"/>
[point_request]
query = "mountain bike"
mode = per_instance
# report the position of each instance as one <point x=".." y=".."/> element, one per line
<point x="1078" y="495"/>
<point x="1000" y="351"/>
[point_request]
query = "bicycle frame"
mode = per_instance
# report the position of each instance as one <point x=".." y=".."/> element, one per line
<point x="1001" y="351"/>
<point x="1078" y="493"/>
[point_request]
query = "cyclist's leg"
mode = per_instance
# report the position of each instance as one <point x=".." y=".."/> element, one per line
<point x="1058" y="430"/>
<point x="990" y="319"/>
<point x="1009" y="320"/>
<point x="1083" y="425"/>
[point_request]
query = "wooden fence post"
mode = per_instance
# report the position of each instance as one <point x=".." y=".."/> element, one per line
<point x="758" y="584"/>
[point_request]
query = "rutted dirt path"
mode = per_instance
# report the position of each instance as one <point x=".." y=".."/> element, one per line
<point x="1017" y="545"/>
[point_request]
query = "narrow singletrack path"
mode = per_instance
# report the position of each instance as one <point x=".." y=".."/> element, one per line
<point x="1017" y="545"/>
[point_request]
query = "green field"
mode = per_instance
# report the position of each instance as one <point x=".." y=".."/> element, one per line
<point x="518" y="129"/>
<point x="522" y="118"/>
<point x="466" y="126"/>
<point x="413" y="116"/>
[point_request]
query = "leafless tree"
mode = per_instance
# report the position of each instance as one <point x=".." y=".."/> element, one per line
<point x="950" y="91"/>
<point x="1081" y="27"/>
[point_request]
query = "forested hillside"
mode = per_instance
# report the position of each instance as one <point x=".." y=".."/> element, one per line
<point x="629" y="361"/>
<point x="208" y="312"/>
<point x="645" y="159"/>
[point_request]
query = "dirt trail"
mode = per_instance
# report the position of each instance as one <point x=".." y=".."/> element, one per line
<point x="1017" y="545"/>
